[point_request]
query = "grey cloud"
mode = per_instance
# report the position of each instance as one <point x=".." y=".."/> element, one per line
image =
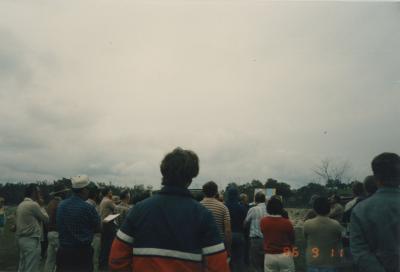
<point x="257" y="91"/>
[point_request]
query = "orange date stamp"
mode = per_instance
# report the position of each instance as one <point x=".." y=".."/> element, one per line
<point x="315" y="252"/>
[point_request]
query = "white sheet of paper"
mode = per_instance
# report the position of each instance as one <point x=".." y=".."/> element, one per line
<point x="110" y="218"/>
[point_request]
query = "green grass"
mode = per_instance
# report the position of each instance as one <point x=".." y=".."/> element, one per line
<point x="8" y="246"/>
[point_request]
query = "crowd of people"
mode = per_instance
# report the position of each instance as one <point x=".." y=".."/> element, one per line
<point x="93" y="230"/>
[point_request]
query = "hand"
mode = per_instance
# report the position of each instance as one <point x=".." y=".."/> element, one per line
<point x="40" y="201"/>
<point x="13" y="228"/>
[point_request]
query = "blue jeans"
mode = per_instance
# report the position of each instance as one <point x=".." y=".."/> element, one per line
<point x="321" y="269"/>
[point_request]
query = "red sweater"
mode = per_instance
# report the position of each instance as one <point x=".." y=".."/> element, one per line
<point x="278" y="234"/>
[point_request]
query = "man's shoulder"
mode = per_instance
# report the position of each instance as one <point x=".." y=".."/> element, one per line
<point x="325" y="222"/>
<point x="74" y="203"/>
<point x="365" y="204"/>
<point x="214" y="205"/>
<point x="106" y="201"/>
<point x="29" y="205"/>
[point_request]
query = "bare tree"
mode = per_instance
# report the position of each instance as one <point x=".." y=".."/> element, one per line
<point x="330" y="170"/>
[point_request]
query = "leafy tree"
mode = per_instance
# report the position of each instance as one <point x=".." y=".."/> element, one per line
<point x="304" y="194"/>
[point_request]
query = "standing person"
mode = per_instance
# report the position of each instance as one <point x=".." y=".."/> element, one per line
<point x="77" y="221"/>
<point x="123" y="207"/>
<point x="278" y="235"/>
<point x="170" y="231"/>
<point x="244" y="201"/>
<point x="358" y="195"/>
<point x="220" y="212"/>
<point x="370" y="185"/>
<point x="256" y="252"/>
<point x="29" y="217"/>
<point x="323" y="239"/>
<point x="60" y="192"/>
<point x="311" y="213"/>
<point x="2" y="216"/>
<point x="237" y="214"/>
<point x="375" y="222"/>
<point x="337" y="209"/>
<point x="108" y="230"/>
<point x="93" y="199"/>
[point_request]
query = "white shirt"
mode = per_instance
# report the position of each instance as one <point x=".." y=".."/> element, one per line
<point x="254" y="216"/>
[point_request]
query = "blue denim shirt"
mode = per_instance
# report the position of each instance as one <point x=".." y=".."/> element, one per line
<point x="375" y="232"/>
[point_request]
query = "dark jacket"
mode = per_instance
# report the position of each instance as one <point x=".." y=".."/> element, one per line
<point x="375" y="232"/>
<point x="170" y="231"/>
<point x="237" y="211"/>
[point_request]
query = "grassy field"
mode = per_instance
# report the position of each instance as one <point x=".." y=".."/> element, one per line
<point x="8" y="246"/>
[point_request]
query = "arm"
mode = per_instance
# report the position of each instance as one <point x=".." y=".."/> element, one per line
<point x="40" y="213"/>
<point x="336" y="211"/>
<point x="121" y="253"/>
<point x="291" y="233"/>
<point x="365" y="260"/>
<point x="248" y="218"/>
<point x="96" y="221"/>
<point x="120" y="258"/>
<point x="215" y="258"/>
<point x="228" y="230"/>
<point x="305" y="231"/>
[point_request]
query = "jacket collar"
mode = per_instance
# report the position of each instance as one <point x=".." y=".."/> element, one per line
<point x="175" y="190"/>
<point x="388" y="190"/>
<point x="274" y="215"/>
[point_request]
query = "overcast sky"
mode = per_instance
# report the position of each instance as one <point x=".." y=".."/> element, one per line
<point x="257" y="89"/>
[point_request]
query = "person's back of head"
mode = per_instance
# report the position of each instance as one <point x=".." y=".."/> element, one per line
<point x="358" y="188"/>
<point x="79" y="186"/>
<point x="322" y="206"/>
<point x="232" y="196"/>
<point x="106" y="192"/>
<point x="370" y="185"/>
<point x="210" y="189"/>
<point x="244" y="199"/>
<point x="179" y="167"/>
<point x="386" y="169"/>
<point x="93" y="192"/>
<point x="259" y="197"/>
<point x="335" y="199"/>
<point x="125" y="195"/>
<point x="312" y="199"/>
<point x="274" y="206"/>
<point x="31" y="191"/>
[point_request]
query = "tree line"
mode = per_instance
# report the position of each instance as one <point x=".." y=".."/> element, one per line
<point x="14" y="192"/>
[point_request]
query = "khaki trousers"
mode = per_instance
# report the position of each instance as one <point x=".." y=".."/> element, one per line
<point x="52" y="248"/>
<point x="29" y="254"/>
<point x="278" y="263"/>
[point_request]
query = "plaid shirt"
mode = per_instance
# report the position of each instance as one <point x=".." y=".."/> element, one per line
<point x="76" y="222"/>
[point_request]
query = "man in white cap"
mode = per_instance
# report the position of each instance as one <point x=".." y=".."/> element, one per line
<point x="77" y="221"/>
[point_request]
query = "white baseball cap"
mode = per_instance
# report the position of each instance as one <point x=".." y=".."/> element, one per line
<point x="80" y="181"/>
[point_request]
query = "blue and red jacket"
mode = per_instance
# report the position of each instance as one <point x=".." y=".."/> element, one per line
<point x="169" y="232"/>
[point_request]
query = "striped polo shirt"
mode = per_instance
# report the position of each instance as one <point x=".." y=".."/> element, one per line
<point x="220" y="213"/>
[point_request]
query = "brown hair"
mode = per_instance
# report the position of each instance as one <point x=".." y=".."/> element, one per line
<point x="179" y="167"/>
